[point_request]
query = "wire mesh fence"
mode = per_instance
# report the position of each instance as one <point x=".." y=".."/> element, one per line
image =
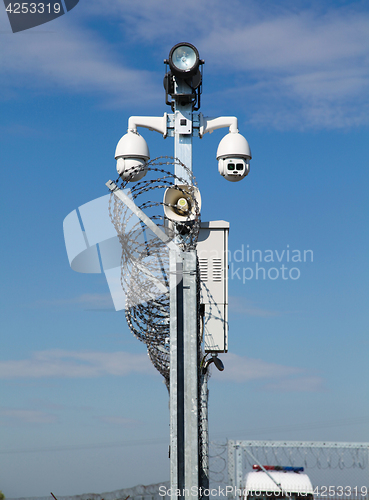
<point x="336" y="470"/>
<point x="140" y="492"/>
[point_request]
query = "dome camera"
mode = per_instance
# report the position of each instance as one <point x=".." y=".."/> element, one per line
<point x="132" y="155"/>
<point x="233" y="157"/>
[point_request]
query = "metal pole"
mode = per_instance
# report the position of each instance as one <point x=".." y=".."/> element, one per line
<point x="184" y="337"/>
<point x="204" y="433"/>
<point x="191" y="373"/>
<point x="239" y="470"/>
<point x="183" y="142"/>
<point x="176" y="375"/>
<point x="231" y="466"/>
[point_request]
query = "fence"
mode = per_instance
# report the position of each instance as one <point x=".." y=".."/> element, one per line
<point x="140" y="492"/>
<point x="337" y="470"/>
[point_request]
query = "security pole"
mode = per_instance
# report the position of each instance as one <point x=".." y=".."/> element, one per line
<point x="184" y="335"/>
<point x="189" y="460"/>
<point x="189" y="457"/>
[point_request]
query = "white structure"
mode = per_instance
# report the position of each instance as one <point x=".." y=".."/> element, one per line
<point x="261" y="484"/>
<point x="212" y="253"/>
<point x="182" y="201"/>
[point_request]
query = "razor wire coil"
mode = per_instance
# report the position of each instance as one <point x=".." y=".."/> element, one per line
<point x="145" y="258"/>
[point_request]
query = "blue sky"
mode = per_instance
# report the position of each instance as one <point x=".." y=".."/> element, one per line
<point x="81" y="407"/>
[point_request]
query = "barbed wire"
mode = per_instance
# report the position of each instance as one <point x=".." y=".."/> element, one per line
<point x="313" y="458"/>
<point x="145" y="257"/>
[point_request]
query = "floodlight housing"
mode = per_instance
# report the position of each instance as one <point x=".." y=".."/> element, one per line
<point x="183" y="81"/>
<point x="184" y="60"/>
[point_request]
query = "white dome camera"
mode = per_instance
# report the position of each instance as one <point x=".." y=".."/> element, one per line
<point x="233" y="157"/>
<point x="132" y="154"/>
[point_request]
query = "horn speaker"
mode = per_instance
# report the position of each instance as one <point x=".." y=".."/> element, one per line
<point x="182" y="203"/>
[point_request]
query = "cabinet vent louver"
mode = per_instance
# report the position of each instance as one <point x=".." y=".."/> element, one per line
<point x="217" y="269"/>
<point x="204" y="271"/>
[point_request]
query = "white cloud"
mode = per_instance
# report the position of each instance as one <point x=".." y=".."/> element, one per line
<point x="243" y="369"/>
<point x="307" y="70"/>
<point x="299" y="384"/>
<point x="73" y="364"/>
<point x="26" y="416"/>
<point x="164" y="22"/>
<point x="286" y="66"/>
<point x="86" y="364"/>
<point x="240" y="305"/>
<point x="277" y="377"/>
<point x="72" y="59"/>
<point x="119" y="421"/>
<point x="292" y="42"/>
<point x="93" y="301"/>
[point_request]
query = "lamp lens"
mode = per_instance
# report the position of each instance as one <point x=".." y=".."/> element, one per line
<point x="184" y="58"/>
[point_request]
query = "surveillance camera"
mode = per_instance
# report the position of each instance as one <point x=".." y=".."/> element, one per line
<point x="132" y="154"/>
<point x="233" y="157"/>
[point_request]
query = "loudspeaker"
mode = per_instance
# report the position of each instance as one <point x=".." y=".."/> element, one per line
<point x="182" y="203"/>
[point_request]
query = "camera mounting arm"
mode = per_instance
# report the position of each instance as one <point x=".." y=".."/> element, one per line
<point x="208" y="124"/>
<point x="156" y="123"/>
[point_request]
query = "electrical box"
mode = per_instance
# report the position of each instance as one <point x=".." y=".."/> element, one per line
<point x="183" y="122"/>
<point x="212" y="253"/>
